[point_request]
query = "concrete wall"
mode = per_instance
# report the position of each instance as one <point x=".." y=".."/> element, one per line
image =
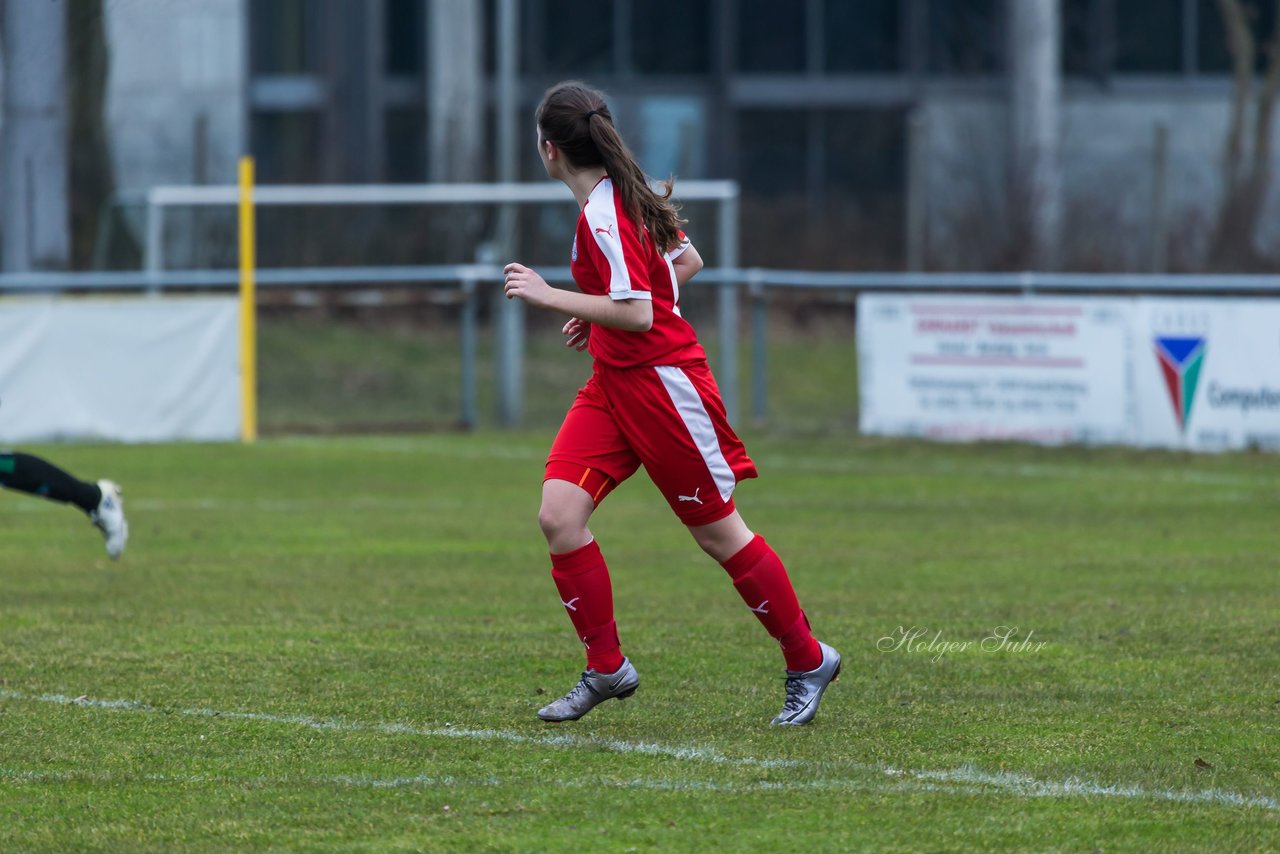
<point x="1109" y="168"/>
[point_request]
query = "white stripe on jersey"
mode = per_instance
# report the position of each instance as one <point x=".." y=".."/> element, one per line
<point x="694" y="415"/>
<point x="602" y="219"/>
<point x="675" y="286"/>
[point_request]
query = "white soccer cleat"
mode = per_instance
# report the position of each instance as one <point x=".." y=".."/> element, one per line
<point x="592" y="690"/>
<point x="805" y="689"/>
<point x="109" y="518"/>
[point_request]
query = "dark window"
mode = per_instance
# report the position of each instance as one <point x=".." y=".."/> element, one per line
<point x="771" y="151"/>
<point x="286" y="147"/>
<point x="865" y="173"/>
<point x="283" y="36"/>
<point x="490" y="37"/>
<point x="966" y="38"/>
<point x="1148" y="36"/>
<point x="1213" y="50"/>
<point x="405" y="30"/>
<point x="842" y="210"/>
<point x="865" y="152"/>
<point x="577" y="36"/>
<point x="862" y="35"/>
<point x="1083" y="39"/>
<point x="406" y="145"/>
<point x="772" y="169"/>
<point x="671" y="36"/>
<point x="771" y="35"/>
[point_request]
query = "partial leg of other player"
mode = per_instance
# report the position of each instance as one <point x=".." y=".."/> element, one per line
<point x="101" y="501"/>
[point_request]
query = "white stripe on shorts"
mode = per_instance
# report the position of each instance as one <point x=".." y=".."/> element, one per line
<point x="694" y="415"/>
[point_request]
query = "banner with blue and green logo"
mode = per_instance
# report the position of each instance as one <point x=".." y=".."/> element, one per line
<point x="1207" y="373"/>
<point x="1189" y="373"/>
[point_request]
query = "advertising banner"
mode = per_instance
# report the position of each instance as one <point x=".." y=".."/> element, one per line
<point x="961" y="368"/>
<point x="1207" y="373"/>
<point x="132" y="369"/>
<point x="1194" y="374"/>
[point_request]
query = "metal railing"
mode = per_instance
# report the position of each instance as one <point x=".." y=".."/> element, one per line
<point x="510" y="342"/>
<point x="470" y="281"/>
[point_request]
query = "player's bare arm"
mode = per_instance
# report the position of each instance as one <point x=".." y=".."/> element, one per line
<point x="632" y="315"/>
<point x="686" y="264"/>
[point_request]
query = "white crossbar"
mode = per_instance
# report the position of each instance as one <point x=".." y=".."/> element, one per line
<point x="401" y="194"/>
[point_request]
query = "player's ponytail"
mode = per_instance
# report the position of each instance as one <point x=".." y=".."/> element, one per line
<point x="576" y="118"/>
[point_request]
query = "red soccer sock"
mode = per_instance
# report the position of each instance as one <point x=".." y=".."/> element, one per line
<point x="761" y="580"/>
<point x="582" y="577"/>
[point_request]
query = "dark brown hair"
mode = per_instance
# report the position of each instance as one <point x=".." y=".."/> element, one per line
<point x="575" y="117"/>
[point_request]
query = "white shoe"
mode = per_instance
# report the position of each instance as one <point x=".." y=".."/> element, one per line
<point x="109" y="518"/>
<point x="592" y="690"/>
<point x="805" y="689"/>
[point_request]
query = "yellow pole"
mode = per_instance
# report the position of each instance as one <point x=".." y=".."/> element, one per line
<point x="248" y="309"/>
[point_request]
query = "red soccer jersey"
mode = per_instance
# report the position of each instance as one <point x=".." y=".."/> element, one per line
<point x="608" y="258"/>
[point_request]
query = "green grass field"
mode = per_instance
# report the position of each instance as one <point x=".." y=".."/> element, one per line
<point x="340" y="644"/>
<point x="319" y="374"/>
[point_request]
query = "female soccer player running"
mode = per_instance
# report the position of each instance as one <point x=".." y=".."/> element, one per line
<point x="101" y="500"/>
<point x="651" y="401"/>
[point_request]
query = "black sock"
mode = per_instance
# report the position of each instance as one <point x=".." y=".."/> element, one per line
<point x="33" y="475"/>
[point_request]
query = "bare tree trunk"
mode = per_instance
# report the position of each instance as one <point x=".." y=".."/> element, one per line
<point x="1262" y="129"/>
<point x="1233" y="235"/>
<point x="1241" y="45"/>
<point x="1035" y="92"/>
<point x="92" y="173"/>
<point x="1247" y="169"/>
<point x="34" y="160"/>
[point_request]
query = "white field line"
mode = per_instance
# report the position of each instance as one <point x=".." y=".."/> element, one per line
<point x="428" y="781"/>
<point x="553" y="739"/>
<point x="966" y="779"/>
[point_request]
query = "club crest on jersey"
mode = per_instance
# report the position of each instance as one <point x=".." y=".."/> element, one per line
<point x="573" y="256"/>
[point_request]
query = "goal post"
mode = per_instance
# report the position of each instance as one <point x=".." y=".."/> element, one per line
<point x="247" y="197"/>
<point x="248" y="307"/>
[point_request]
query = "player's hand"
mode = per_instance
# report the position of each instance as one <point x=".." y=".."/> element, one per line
<point x="519" y="281"/>
<point x="576" y="332"/>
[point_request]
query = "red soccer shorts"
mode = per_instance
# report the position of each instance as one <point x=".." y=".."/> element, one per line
<point x="669" y="420"/>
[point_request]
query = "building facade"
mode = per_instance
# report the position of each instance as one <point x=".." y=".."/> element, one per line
<point x="836" y="116"/>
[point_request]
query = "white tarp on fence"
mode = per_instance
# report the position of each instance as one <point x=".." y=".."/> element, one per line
<point x="133" y="369"/>
<point x="1198" y="374"/>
